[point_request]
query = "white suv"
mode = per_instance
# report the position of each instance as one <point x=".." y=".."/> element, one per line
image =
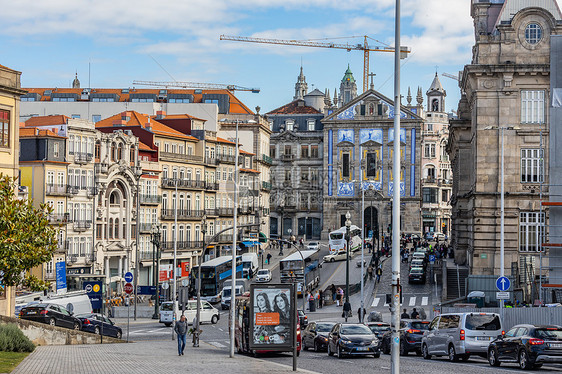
<point x="263" y="275"/>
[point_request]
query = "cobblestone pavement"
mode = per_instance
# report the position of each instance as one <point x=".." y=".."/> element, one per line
<point x="143" y="357"/>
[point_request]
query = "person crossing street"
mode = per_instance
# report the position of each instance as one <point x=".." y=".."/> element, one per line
<point x="181" y="330"/>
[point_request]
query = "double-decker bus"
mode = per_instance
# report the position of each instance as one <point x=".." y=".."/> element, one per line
<point x="291" y="270"/>
<point x="214" y="273"/>
<point x="336" y="241"/>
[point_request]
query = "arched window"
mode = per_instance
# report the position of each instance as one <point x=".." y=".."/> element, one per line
<point x="197" y="233"/>
<point x="114" y="198"/>
<point x="113" y="152"/>
<point x="98" y="149"/>
<point x="182" y="173"/>
<point x="116" y="228"/>
<point x="182" y="202"/>
<point x="197" y="202"/>
<point x="164" y="201"/>
<point x="132" y="154"/>
<point x="188" y="203"/>
<point x="110" y="228"/>
<point x="198" y="175"/>
<point x="181" y="233"/>
<point x="189" y="177"/>
<point x="120" y="152"/>
<point x="173" y="233"/>
<point x="188" y="233"/>
<point x="174" y="201"/>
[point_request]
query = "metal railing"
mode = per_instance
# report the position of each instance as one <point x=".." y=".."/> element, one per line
<point x="181" y="244"/>
<point x="211" y="212"/>
<point x="150" y="199"/>
<point x="229" y="212"/>
<point x="287" y="156"/>
<point x="59" y="218"/>
<point x="89" y="258"/>
<point x="82" y="157"/>
<point x="266" y="186"/>
<point x="80" y="225"/>
<point x="183" y="183"/>
<point x="225" y="158"/>
<point x="183" y="214"/>
<point x="214" y="186"/>
<point x="267" y="159"/>
<point x="211" y="160"/>
<point x="225" y="238"/>
<point x="145" y="227"/>
<point x="179" y="156"/>
<point x="55" y="190"/>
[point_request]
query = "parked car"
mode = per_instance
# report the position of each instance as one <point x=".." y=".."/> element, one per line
<point x="313" y="246"/>
<point x="99" y="324"/>
<point x="417" y="263"/>
<point x="419" y="255"/>
<point x="411" y="333"/>
<point x="379" y="329"/>
<point x="417" y="275"/>
<point x="528" y="345"/>
<point x="315" y="335"/>
<point x="303" y="318"/>
<point x="52" y="314"/>
<point x="209" y="314"/>
<point x="413" y="236"/>
<point x="459" y="335"/>
<point x="263" y="275"/>
<point x="340" y="256"/>
<point x="439" y="236"/>
<point x="428" y="236"/>
<point x="352" y="339"/>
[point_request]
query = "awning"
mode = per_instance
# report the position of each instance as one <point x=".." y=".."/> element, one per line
<point x="250" y="244"/>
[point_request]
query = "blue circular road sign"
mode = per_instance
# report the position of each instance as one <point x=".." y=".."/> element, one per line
<point x="128" y="277"/>
<point x="503" y="283"/>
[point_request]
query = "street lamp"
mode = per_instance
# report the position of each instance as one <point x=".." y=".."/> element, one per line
<point x="347" y="304"/>
<point x="155" y="260"/>
<point x="199" y="262"/>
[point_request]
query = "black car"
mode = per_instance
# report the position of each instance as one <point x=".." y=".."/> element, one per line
<point x="52" y="314"/>
<point x="303" y="319"/>
<point x="352" y="339"/>
<point x="315" y="335"/>
<point x="379" y="329"/>
<point x="417" y="275"/>
<point x="99" y="324"/>
<point x="528" y="345"/>
<point x="411" y="333"/>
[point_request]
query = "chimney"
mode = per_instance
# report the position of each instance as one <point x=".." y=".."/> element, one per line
<point x="119" y="122"/>
<point x="160" y="114"/>
<point x="148" y="125"/>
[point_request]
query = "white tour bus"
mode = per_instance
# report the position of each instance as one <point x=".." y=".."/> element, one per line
<point x="336" y="242"/>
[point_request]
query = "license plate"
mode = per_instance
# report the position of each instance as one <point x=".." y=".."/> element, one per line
<point x="31" y="312"/>
<point x="555" y="345"/>
<point x="362" y="348"/>
<point x="482" y="338"/>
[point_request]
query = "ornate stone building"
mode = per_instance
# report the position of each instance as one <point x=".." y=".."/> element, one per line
<point x="505" y="96"/>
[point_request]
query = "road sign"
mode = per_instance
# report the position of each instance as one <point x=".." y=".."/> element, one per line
<point x="128" y="288"/>
<point x="502" y="295"/>
<point x="165" y="286"/>
<point x="185" y="282"/>
<point x="128" y="277"/>
<point x="503" y="283"/>
<point x="432" y="258"/>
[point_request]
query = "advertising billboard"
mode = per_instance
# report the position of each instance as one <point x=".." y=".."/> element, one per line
<point x="273" y="320"/>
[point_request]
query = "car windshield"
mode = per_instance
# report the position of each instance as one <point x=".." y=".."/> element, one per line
<point x="336" y="236"/>
<point x="551" y="333"/>
<point x="355" y="330"/>
<point x="324" y="327"/>
<point x="483" y="322"/>
<point x="167" y="307"/>
<point x="226" y="292"/>
<point x="262" y="272"/>
<point x="379" y="328"/>
<point x="418" y="254"/>
<point x="416" y="271"/>
<point x="420" y="325"/>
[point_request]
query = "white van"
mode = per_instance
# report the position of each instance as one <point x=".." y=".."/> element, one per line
<point x="226" y="295"/>
<point x="250" y="264"/>
<point x="75" y="302"/>
<point x="209" y="314"/>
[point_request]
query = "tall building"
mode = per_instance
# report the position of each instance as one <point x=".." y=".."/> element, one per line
<point x="436" y="169"/>
<point x="10" y="93"/>
<point x="504" y="107"/>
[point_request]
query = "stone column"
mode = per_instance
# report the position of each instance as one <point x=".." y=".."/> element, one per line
<point x="107" y="271"/>
<point x="120" y="266"/>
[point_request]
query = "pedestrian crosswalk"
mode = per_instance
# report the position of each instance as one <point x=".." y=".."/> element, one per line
<point x="410" y="301"/>
<point x="150" y="332"/>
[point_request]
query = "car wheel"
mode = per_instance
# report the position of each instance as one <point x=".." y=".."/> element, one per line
<point x="340" y="354"/>
<point x="304" y="347"/>
<point x="493" y="357"/>
<point x="377" y="355"/>
<point x="524" y="360"/>
<point x="76" y="326"/>
<point x="168" y="324"/>
<point x="52" y="322"/>
<point x="452" y="354"/>
<point x="403" y="351"/>
<point x="119" y="334"/>
<point x="330" y="353"/>
<point x="465" y="357"/>
<point x="332" y="260"/>
<point x="316" y="347"/>
<point x="418" y="352"/>
<point x="425" y="352"/>
<point x="214" y="319"/>
<point x="97" y="330"/>
<point x="386" y="349"/>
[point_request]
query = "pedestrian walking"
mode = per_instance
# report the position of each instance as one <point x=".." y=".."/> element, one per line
<point x="340" y="296"/>
<point x="268" y="258"/>
<point x="361" y="314"/>
<point x="379" y="273"/>
<point x="321" y="299"/>
<point x="181" y="331"/>
<point x="405" y="315"/>
<point x="334" y="292"/>
<point x="317" y="299"/>
<point x="415" y="314"/>
<point x="370" y="272"/>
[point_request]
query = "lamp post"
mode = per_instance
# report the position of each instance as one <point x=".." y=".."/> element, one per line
<point x="199" y="262"/>
<point x="347" y="304"/>
<point x="155" y="257"/>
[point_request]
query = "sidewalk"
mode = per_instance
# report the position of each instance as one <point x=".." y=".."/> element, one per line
<point x="142" y="358"/>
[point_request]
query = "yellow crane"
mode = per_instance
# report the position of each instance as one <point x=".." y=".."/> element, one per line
<point x="348" y="47"/>
<point x="211" y="86"/>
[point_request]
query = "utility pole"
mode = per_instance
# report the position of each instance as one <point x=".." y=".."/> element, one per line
<point x="395" y="308"/>
<point x="234" y="234"/>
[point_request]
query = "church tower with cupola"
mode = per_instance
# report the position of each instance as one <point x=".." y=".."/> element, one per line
<point x="301" y="87"/>
<point x="436" y="96"/>
<point x="348" y="88"/>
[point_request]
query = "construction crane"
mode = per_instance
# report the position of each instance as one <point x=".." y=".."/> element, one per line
<point x="450" y="76"/>
<point x="212" y="86"/>
<point x="348" y="47"/>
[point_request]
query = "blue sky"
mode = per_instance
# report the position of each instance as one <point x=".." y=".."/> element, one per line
<point x="48" y="41"/>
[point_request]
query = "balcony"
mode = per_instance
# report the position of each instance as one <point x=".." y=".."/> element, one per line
<point x="150" y="199"/>
<point x="146" y="255"/>
<point x="211" y="161"/>
<point x="195" y="244"/>
<point x="266" y="186"/>
<point x="245" y="210"/>
<point x="101" y="168"/>
<point x="310" y="208"/>
<point x="145" y="228"/>
<point x="72" y="259"/>
<point x="55" y="190"/>
<point x="183" y="214"/>
<point x="58" y="218"/>
<point x="287" y="156"/>
<point x="72" y="190"/>
<point x="211" y="212"/>
<point x="82" y="157"/>
<point x="225" y="212"/>
<point x="225" y="158"/>
<point x="90" y="258"/>
<point x="169" y="156"/>
<point x="82" y="225"/>
<point x="213" y="186"/>
<point x="91" y="191"/>
<point x="429" y="180"/>
<point x="225" y="238"/>
<point x="445" y="182"/>
<point x="183" y="183"/>
<point x="268" y="160"/>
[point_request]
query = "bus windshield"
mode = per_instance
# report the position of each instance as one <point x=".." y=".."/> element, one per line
<point x="336" y="236"/>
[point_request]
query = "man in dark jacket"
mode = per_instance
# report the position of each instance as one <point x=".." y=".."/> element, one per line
<point x="181" y="330"/>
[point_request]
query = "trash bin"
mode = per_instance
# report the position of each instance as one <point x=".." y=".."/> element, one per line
<point x="476" y="297"/>
<point x="311" y="305"/>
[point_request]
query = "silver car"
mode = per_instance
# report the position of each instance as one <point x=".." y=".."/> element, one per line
<point x="459" y="335"/>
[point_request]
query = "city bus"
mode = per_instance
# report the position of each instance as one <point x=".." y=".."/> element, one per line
<point x="290" y="269"/>
<point x="214" y="273"/>
<point x="336" y="241"/>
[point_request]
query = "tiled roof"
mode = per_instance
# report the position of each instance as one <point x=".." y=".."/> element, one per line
<point x="247" y="153"/>
<point x="221" y="140"/>
<point x="295" y="108"/>
<point x="7" y="68"/>
<point x="58" y="119"/>
<point x="250" y="171"/>
<point x="181" y="116"/>
<point x="236" y="106"/>
<point x="144" y="147"/>
<point x="31" y="132"/>
<point x="144" y="121"/>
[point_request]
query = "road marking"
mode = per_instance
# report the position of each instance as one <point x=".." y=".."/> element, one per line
<point x="221" y="329"/>
<point x="412" y="301"/>
<point x="425" y="300"/>
<point x="376" y="301"/>
<point x="217" y="344"/>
